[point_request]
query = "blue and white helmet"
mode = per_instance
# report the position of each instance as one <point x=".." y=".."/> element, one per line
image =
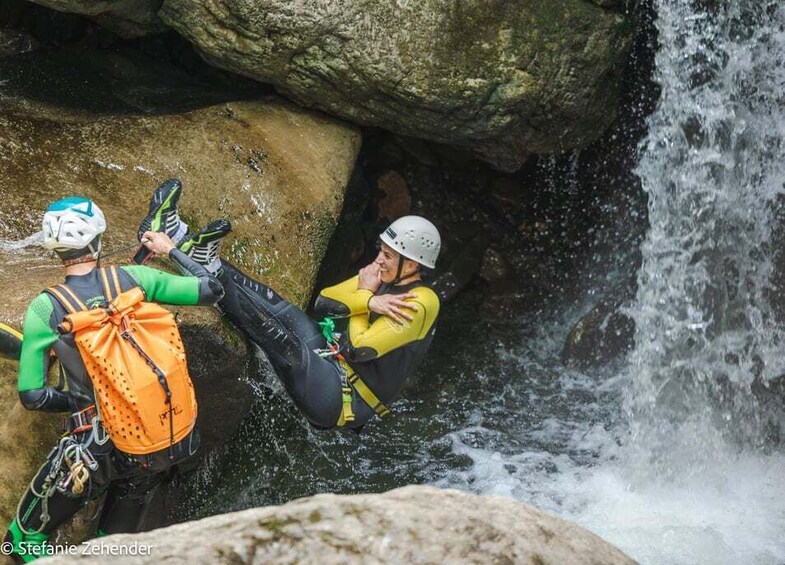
<point x="415" y="238"/>
<point x="73" y="224"/>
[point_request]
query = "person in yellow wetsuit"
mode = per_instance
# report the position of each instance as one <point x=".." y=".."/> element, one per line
<point x="384" y="316"/>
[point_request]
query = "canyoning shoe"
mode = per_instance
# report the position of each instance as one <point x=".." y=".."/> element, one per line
<point x="204" y="246"/>
<point x="162" y="217"/>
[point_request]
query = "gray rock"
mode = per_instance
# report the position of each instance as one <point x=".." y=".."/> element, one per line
<point x="462" y="269"/>
<point x="411" y="525"/>
<point x="127" y="18"/>
<point x="498" y="273"/>
<point x="599" y="337"/>
<point x="13" y="42"/>
<point x="503" y="79"/>
<point x="617" y="5"/>
<point x="397" y="199"/>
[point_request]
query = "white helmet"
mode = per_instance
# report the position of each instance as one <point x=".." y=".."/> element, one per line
<point x="73" y="224"/>
<point x="415" y="238"/>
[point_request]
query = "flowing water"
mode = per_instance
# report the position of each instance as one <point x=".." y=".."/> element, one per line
<point x="714" y="169"/>
<point x="668" y="454"/>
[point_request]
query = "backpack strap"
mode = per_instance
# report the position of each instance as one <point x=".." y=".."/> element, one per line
<point x="66" y="297"/>
<point x="111" y="283"/>
<point x="72" y="303"/>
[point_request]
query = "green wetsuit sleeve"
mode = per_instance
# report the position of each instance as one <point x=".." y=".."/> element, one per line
<point x="164" y="287"/>
<point x="365" y="341"/>
<point x="36" y="345"/>
<point x="343" y="300"/>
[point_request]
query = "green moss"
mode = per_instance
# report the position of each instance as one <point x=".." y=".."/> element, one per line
<point x="315" y="517"/>
<point x="275" y="526"/>
<point x="192" y="221"/>
<point x="326" y="223"/>
<point x="341" y="545"/>
<point x="232" y="336"/>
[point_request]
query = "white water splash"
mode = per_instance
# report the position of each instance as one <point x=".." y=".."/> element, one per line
<point x="15" y="245"/>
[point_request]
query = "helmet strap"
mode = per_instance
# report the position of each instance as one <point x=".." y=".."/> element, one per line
<point x="95" y="249"/>
<point x="397" y="278"/>
<point x="398" y="275"/>
<point x="79" y="260"/>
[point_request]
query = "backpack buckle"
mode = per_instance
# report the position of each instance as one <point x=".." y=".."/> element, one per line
<point x="81" y="421"/>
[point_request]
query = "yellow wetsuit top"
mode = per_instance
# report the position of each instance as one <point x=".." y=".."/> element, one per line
<point x="381" y="351"/>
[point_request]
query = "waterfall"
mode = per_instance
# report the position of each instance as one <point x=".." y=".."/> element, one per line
<point x="698" y="476"/>
<point x="713" y="166"/>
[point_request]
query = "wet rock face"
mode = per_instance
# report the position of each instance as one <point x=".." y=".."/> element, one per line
<point x="413" y="524"/>
<point x="502" y="80"/>
<point x="127" y="18"/>
<point x="13" y="42"/>
<point x="601" y="336"/>
<point x="611" y="4"/>
<point x="112" y="127"/>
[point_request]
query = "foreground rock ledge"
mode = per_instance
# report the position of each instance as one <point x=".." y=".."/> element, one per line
<point x="414" y="524"/>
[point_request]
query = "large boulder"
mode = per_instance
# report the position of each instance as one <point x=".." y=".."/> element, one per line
<point x="277" y="172"/>
<point x="414" y="524"/>
<point x="503" y="79"/>
<point x="127" y="18"/>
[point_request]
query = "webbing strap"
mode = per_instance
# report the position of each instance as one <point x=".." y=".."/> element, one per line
<point x="111" y="290"/>
<point x="71" y="302"/>
<point x="9" y="330"/>
<point x="368" y="395"/>
<point x="67" y="298"/>
<point x="126" y="335"/>
<point x="347" y="415"/>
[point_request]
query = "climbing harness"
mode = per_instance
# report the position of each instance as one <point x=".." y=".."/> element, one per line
<point x="327" y="326"/>
<point x="70" y="463"/>
<point x="350" y="380"/>
<point x="81" y="421"/>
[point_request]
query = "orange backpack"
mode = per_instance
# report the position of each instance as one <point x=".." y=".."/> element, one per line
<point x="136" y="361"/>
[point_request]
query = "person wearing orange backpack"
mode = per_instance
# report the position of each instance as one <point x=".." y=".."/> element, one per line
<point x="130" y="401"/>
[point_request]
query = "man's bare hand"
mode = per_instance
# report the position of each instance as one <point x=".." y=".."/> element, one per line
<point x="370" y="277"/>
<point x="394" y="306"/>
<point x="157" y="242"/>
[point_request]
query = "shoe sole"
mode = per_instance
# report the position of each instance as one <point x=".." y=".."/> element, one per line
<point x="205" y="236"/>
<point x="154" y="219"/>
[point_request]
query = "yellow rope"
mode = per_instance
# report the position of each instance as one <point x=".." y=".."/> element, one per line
<point x="79" y="476"/>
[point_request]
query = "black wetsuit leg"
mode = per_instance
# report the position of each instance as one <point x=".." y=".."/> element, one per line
<point x="289" y="337"/>
<point x="128" y="488"/>
<point x="126" y="503"/>
<point x="59" y="507"/>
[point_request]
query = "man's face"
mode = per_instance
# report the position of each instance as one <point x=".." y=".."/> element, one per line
<point x="387" y="259"/>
